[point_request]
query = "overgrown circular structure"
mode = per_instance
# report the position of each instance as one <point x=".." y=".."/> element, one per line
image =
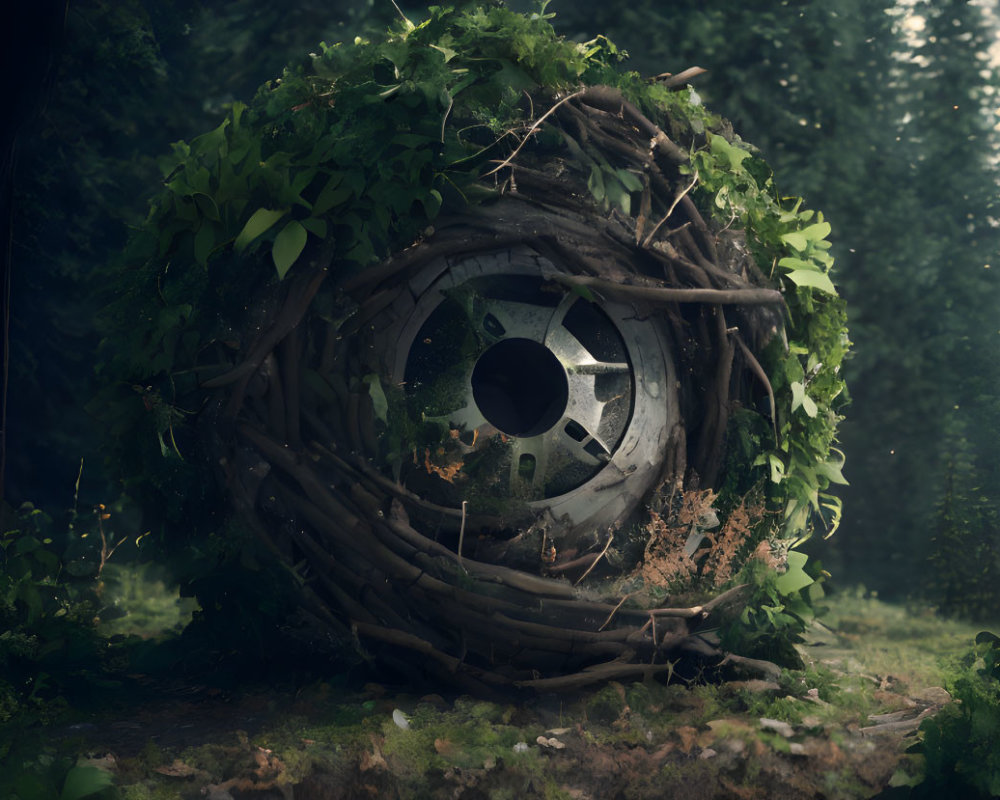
<point x="539" y="353"/>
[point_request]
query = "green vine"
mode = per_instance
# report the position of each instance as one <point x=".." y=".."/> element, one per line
<point x="791" y="246"/>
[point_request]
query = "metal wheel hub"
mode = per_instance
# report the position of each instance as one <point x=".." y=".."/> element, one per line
<point x="549" y="397"/>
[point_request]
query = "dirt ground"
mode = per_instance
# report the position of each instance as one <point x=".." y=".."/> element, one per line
<point x="838" y="729"/>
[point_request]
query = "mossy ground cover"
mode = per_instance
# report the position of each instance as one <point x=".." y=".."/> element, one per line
<point x="838" y="728"/>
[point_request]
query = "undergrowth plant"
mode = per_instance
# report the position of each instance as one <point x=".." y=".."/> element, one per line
<point x="48" y="606"/>
<point x="961" y="744"/>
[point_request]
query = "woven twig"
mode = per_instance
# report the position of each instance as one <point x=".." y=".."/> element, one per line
<point x="379" y="566"/>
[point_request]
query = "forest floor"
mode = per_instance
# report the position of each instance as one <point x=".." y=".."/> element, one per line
<point x="838" y="729"/>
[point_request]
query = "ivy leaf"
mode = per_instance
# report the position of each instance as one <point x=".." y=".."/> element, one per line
<point x="380" y="403"/>
<point x="817" y="231"/>
<point x="317" y="227"/>
<point x="260" y="221"/>
<point x="584" y="292"/>
<point x="447" y="52"/>
<point x="629" y="180"/>
<point x="85" y="780"/>
<point x="204" y="241"/>
<point x="617" y="194"/>
<point x="832" y="471"/>
<point x="596" y="183"/>
<point x="816" y="280"/>
<point x="288" y="246"/>
<point x="800" y="239"/>
<point x="333" y="194"/>
<point x="206" y="205"/>
<point x="795" y="240"/>
<point x="777" y="468"/>
<point x="794" y="577"/>
<point x="302" y="180"/>
<point x="800" y="398"/>
<point x="791" y="263"/>
<point x="731" y="154"/>
<point x="432" y="203"/>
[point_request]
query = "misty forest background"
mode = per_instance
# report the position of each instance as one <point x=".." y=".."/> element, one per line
<point x="884" y="115"/>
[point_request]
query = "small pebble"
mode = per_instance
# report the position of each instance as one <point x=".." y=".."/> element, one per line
<point x="554" y="743"/>
<point x="776" y="725"/>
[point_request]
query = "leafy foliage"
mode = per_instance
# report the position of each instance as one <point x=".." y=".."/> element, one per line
<point x="363" y="150"/>
<point x="791" y="245"/>
<point x="960" y="744"/>
<point x="777" y="612"/>
<point x="48" y="642"/>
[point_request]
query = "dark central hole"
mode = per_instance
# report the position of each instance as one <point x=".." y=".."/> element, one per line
<point x="520" y="387"/>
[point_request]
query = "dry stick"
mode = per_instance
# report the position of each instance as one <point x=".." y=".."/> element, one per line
<point x="758" y="370"/>
<point x="600" y="673"/>
<point x="686" y="239"/>
<point x="726" y="597"/>
<point x="368" y="602"/>
<point x="411" y="642"/>
<point x="537" y="587"/>
<point x="670" y="210"/>
<point x="445" y="243"/>
<point x="664" y="252"/>
<point x="514" y="630"/>
<point x="320" y="609"/>
<point x="765" y="668"/>
<point x="461" y="534"/>
<point x="609" y="99"/>
<point x="652" y="657"/>
<point x="714" y="427"/>
<point x="645" y="209"/>
<point x="547" y="630"/>
<point x="614" y="611"/>
<point x="377" y="303"/>
<point x="682" y="613"/>
<point x="583" y="561"/>
<point x="349" y="605"/>
<point x="357" y="467"/>
<point x="314" y="488"/>
<point x="328" y="509"/>
<point x="290" y="356"/>
<point x="656" y="294"/>
<point x="366" y="577"/>
<point x="611" y="538"/>
<point x="275" y="398"/>
<point x="701" y="228"/>
<point x="331" y="343"/>
<point x="681" y="78"/>
<point x="300" y="296"/>
<point x="245" y="507"/>
<point x="615" y="141"/>
<point x="531" y="130"/>
<point x="353" y="424"/>
<point x="578" y="120"/>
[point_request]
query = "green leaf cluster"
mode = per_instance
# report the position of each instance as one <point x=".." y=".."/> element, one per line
<point x="961" y="744"/>
<point x="790" y="245"/>
<point x="778" y="610"/>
